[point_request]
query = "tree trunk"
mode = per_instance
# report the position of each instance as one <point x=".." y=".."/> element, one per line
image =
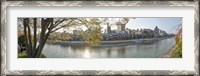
<point x="29" y="38"/>
<point x="35" y="37"/>
<point x="41" y="45"/>
<point x="25" y="23"/>
<point x="33" y="50"/>
<point x="44" y="36"/>
<point x="41" y="37"/>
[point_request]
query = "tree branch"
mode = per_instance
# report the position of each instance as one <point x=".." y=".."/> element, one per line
<point x="61" y="27"/>
<point x="56" y="24"/>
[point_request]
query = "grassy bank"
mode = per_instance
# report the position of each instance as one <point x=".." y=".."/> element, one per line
<point x="24" y="55"/>
<point x="174" y="52"/>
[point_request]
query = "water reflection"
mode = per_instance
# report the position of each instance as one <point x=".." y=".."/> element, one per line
<point x="108" y="52"/>
<point x="152" y="50"/>
<point x="86" y="53"/>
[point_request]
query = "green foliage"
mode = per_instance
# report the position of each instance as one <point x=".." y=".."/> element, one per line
<point x="59" y="36"/>
<point x="92" y="36"/>
<point x="21" y="39"/>
<point x="178" y="51"/>
<point x="22" y="55"/>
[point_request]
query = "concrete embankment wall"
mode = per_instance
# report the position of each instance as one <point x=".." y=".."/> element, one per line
<point x="117" y="42"/>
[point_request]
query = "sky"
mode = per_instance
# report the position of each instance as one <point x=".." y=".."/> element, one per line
<point x="168" y="24"/>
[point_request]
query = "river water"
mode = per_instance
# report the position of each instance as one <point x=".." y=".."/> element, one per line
<point x="151" y="50"/>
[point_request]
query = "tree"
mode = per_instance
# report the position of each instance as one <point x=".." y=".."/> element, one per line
<point x="92" y="35"/>
<point x="46" y="26"/>
<point x="178" y="39"/>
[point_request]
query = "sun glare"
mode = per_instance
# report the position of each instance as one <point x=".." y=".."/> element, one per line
<point x="87" y="53"/>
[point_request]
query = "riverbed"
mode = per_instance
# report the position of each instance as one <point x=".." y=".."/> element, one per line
<point x="151" y="50"/>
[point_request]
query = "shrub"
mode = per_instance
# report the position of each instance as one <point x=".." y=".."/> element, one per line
<point x="177" y="53"/>
<point x="22" y="55"/>
<point x="21" y="39"/>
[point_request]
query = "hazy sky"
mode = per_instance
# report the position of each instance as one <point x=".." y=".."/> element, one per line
<point x="168" y="24"/>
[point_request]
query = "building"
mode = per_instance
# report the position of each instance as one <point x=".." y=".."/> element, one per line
<point x="114" y="32"/>
<point x="108" y="30"/>
<point x="121" y="28"/>
<point x="162" y="33"/>
<point x="147" y="33"/>
<point x="77" y="32"/>
<point x="156" y="31"/>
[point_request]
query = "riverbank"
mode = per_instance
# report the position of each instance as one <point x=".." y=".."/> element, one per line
<point x="110" y="43"/>
<point x="170" y="52"/>
<point x="23" y="54"/>
<point x="174" y="52"/>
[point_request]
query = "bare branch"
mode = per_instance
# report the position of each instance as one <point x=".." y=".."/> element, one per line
<point x="61" y="26"/>
<point x="56" y="24"/>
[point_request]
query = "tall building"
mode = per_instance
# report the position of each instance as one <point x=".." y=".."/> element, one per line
<point x="156" y="31"/>
<point x="121" y="28"/>
<point x="108" y="30"/>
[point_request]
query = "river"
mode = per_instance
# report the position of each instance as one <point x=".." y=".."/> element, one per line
<point x="151" y="50"/>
